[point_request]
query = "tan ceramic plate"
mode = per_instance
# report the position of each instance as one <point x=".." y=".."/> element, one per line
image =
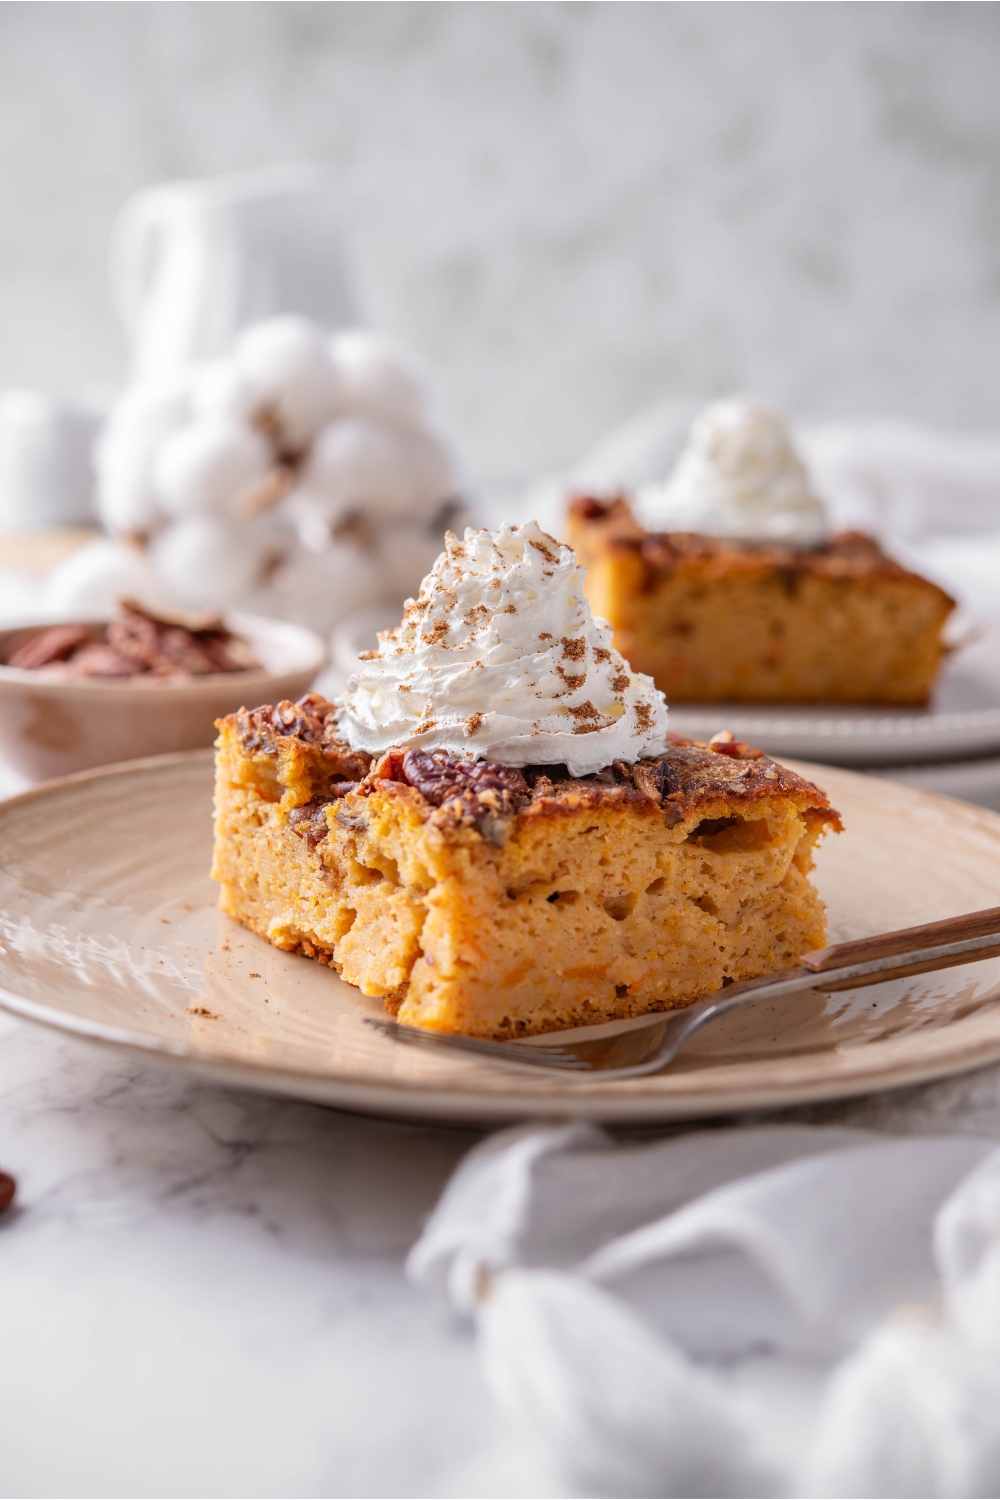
<point x="109" y="929"/>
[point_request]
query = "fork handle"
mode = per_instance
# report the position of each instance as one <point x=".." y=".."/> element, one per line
<point x="903" y="971"/>
<point x="972" y="924"/>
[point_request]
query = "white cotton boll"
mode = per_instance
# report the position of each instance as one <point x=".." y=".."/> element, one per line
<point x="357" y="465"/>
<point x="209" y="466"/>
<point x="287" y="367"/>
<point x="220" y="389"/>
<point x="319" y="589"/>
<point x="89" y="584"/>
<point x="208" y="563"/>
<point x="313" y="526"/>
<point x="275" y="527"/>
<point x="376" y="380"/>
<point x="138" y="423"/>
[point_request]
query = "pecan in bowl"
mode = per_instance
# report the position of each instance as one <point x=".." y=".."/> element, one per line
<point x="142" y="643"/>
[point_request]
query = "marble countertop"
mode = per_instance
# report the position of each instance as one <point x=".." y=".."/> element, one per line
<point x="203" y="1290"/>
<point x="203" y="1293"/>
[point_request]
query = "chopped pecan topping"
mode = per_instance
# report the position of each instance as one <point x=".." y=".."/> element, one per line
<point x="648" y="780"/>
<point x="439" y="777"/>
<point x="309" y="820"/>
<point x="612" y="524"/>
<point x="725" y="743"/>
<point x="669" y="785"/>
<point x="652" y="778"/>
<point x="355" y="821"/>
<point x="313" y="721"/>
<point x="388" y="768"/>
<point x="478" y="793"/>
<point x="258" y="726"/>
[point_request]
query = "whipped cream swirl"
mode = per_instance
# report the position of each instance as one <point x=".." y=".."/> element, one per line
<point x="739" y="478"/>
<point x="499" y="657"/>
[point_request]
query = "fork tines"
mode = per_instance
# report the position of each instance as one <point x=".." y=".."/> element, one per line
<point x="416" y="1036"/>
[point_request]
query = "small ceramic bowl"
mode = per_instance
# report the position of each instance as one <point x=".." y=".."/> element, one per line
<point x="50" y="726"/>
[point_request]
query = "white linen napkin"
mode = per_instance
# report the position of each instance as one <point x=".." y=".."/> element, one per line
<point x="775" y="1310"/>
<point x="933" y="498"/>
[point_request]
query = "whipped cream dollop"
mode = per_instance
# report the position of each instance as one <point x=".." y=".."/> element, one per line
<point x="740" y="478"/>
<point x="499" y="658"/>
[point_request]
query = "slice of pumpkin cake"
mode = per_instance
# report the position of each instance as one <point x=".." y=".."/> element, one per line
<point x="496" y="833"/>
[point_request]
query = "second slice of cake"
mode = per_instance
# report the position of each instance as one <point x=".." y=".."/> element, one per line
<point x="725" y="585"/>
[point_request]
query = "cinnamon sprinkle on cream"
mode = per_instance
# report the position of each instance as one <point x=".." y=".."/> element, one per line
<point x="503" y="652"/>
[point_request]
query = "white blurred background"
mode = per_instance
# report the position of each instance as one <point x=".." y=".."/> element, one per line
<point x="563" y="228"/>
<point x="567" y="211"/>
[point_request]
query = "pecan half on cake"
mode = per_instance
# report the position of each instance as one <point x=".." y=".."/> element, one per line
<point x="494" y="830"/>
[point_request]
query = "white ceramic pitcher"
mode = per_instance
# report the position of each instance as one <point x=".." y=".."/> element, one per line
<point x="193" y="262"/>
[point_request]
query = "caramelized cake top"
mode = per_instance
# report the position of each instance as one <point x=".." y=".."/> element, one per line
<point x="459" y="791"/>
<point x="845" y="554"/>
<point x="310" y="721"/>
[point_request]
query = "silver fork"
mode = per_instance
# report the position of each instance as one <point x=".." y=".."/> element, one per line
<point x="650" y="1044"/>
